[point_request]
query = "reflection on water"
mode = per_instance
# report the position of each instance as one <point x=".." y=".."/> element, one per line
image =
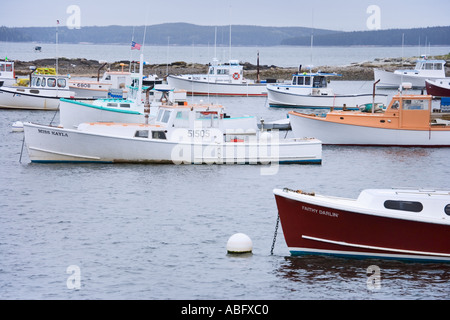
<point x="348" y="278"/>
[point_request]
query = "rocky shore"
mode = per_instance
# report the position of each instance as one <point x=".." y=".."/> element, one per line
<point x="90" y="68"/>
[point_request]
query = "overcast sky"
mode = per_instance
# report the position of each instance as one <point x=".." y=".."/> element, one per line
<point x="344" y="15"/>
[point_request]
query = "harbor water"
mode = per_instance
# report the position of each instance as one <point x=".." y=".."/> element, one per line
<point x="159" y="232"/>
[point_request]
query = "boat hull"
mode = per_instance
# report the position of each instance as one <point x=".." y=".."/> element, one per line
<point x="394" y="80"/>
<point x="438" y="88"/>
<point x="72" y="113"/>
<point x="333" y="133"/>
<point x="311" y="227"/>
<point x="53" y="144"/>
<point x="13" y="99"/>
<point x="280" y="97"/>
<point x="197" y="87"/>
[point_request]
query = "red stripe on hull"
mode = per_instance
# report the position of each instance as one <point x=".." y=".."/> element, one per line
<point x="301" y="219"/>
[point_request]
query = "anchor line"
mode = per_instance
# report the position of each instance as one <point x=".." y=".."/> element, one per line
<point x="275" y="235"/>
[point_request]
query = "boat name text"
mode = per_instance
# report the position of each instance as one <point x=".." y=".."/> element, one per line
<point x="55" y="133"/>
<point x="319" y="211"/>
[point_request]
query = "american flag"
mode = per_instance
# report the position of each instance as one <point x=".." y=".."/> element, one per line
<point x="135" y="46"/>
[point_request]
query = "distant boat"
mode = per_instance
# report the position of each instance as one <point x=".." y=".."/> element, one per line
<point x="438" y="87"/>
<point x="44" y="92"/>
<point x="424" y="69"/>
<point x="310" y="90"/>
<point x="221" y="80"/>
<point x="406" y="122"/>
<point x="7" y="73"/>
<point x="406" y="224"/>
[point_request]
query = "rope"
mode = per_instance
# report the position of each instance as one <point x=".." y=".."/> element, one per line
<point x="275" y="235"/>
<point x="21" y="151"/>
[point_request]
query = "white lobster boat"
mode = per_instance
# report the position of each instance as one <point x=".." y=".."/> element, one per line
<point x="310" y="90"/>
<point x="181" y="134"/>
<point x="44" y="93"/>
<point x="424" y="69"/>
<point x="118" y="80"/>
<point x="221" y="80"/>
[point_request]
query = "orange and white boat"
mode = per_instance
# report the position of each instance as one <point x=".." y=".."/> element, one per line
<point x="406" y="122"/>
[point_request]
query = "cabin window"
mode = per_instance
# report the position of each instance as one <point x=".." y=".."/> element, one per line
<point x="110" y="104"/>
<point x="38" y="82"/>
<point x="411" y="206"/>
<point x="51" y="82"/>
<point x="9" y="67"/>
<point x="141" y="134"/>
<point x="166" y="116"/>
<point x="438" y="66"/>
<point x="159" y="135"/>
<point x="294" y="81"/>
<point x="211" y="71"/>
<point x="447" y="209"/>
<point x="415" y="104"/>
<point x="307" y="81"/>
<point x="320" y="82"/>
<point x="2" y="67"/>
<point x="222" y="71"/>
<point x="43" y="82"/>
<point x="61" y="83"/>
<point x="428" y="66"/>
<point x="125" y="105"/>
<point x="300" y="81"/>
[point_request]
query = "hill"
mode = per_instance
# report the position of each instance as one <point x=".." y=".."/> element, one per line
<point x="175" y="33"/>
<point x="392" y="37"/>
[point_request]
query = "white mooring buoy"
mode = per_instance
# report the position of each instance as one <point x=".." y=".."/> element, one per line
<point x="239" y="243"/>
<point x="17" y="126"/>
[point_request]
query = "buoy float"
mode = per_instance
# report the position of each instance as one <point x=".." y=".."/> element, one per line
<point x="17" y="126"/>
<point x="239" y="243"/>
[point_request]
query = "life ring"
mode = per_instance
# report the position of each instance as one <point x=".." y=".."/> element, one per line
<point x="236" y="76"/>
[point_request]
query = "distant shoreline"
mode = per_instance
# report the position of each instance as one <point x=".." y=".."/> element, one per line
<point x="81" y="67"/>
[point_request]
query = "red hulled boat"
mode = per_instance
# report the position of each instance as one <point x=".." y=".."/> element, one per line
<point x="438" y="87"/>
<point x="394" y="223"/>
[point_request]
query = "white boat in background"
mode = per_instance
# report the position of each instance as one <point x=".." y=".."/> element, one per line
<point x="44" y="92"/>
<point x="7" y="73"/>
<point x="118" y="80"/>
<point x="424" y="69"/>
<point x="181" y="134"/>
<point x="221" y="80"/>
<point x="310" y="90"/>
<point x="131" y="110"/>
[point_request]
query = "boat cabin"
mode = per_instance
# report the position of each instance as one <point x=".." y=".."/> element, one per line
<point x="404" y="112"/>
<point x="7" y="72"/>
<point x="312" y="80"/>
<point x="231" y="72"/>
<point x="424" y="67"/>
<point x="117" y="79"/>
<point x="51" y="82"/>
